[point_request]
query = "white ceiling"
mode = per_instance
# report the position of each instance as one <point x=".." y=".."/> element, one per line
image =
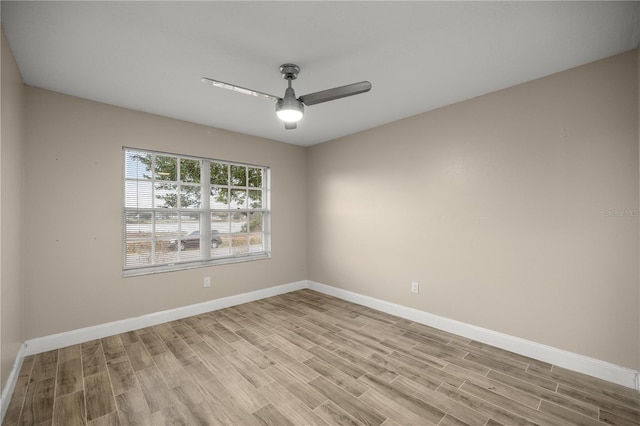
<point x="419" y="56"/>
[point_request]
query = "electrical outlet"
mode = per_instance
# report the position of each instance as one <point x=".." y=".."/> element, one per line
<point x="415" y="287"/>
<point x="207" y="281"/>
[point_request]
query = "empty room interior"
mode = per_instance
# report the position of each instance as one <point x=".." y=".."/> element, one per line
<point x="296" y="213"/>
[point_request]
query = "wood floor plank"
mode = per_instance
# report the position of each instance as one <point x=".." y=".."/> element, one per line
<point x="98" y="395"/>
<point x="500" y="388"/>
<point x="324" y="324"/>
<point x="122" y="376"/>
<point x="137" y="418"/>
<point x="369" y="366"/>
<point x="615" y="419"/>
<point x="398" y="343"/>
<point x="300" y="389"/>
<point x="255" y="339"/>
<point x="69" y="377"/>
<point x="154" y="388"/>
<point x="237" y="414"/>
<point x="528" y="413"/>
<point x="427" y="331"/>
<point x="545" y="394"/>
<point x="172" y="415"/>
<point x="294" y="338"/>
<point x="210" y="357"/>
<point x="255" y="327"/>
<point x="206" y="381"/>
<point x="294" y="367"/>
<point x="243" y="392"/>
<point x="497" y="413"/>
<point x="304" y="323"/>
<point x="392" y="410"/>
<point x="289" y="348"/>
<point x="368" y="342"/>
<point x="38" y="403"/>
<point x="171" y="369"/>
<point x="341" y="379"/>
<point x="341" y="364"/>
<point x="304" y="358"/>
<point x="210" y="413"/>
<point x="269" y="415"/>
<point x="604" y="403"/>
<point x="93" y="360"/>
<point x="445" y="353"/>
<point x="290" y="406"/>
<point x="345" y="343"/>
<point x="601" y="390"/>
<point x="335" y="415"/>
<point x="496" y="364"/>
<point x="365" y="413"/>
<point x="439" y="401"/>
<point x="375" y="317"/>
<point x="19" y="392"/>
<point x="69" y="410"/>
<point x="422" y="376"/>
<point x="410" y="402"/>
<point x="183" y="353"/>
<point x="506" y="355"/>
<point x="316" y="339"/>
<point x="138" y="355"/>
<point x="110" y="419"/>
<point x="186" y="333"/>
<point x="129" y="337"/>
<point x="569" y="416"/>
<point x="250" y="371"/>
<point x="614" y="391"/>
<point x="225" y="333"/>
<point x="165" y="332"/>
<point x="132" y="401"/>
<point x="228" y="322"/>
<point x="420" y="369"/>
<point x="69" y="352"/>
<point x="133" y="409"/>
<point x="256" y="356"/>
<point x="45" y="365"/>
<point x="153" y="343"/>
<point x="113" y="348"/>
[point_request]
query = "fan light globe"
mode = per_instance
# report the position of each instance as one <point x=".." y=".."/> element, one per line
<point x="289" y="109"/>
<point x="289" y="115"/>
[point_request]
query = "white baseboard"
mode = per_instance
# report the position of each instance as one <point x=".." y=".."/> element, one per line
<point x="73" y="337"/>
<point x="569" y="360"/>
<point x="9" y="386"/>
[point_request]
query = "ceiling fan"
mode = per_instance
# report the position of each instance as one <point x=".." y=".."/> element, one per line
<point x="289" y="108"/>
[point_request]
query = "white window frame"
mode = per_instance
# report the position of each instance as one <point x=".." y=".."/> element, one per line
<point x="207" y="257"/>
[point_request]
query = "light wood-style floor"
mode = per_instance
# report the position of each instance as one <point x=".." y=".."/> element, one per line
<point x="305" y="358"/>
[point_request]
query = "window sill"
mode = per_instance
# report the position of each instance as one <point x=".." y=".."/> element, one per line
<point x="192" y="265"/>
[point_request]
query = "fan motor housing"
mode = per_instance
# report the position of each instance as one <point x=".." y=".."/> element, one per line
<point x="289" y="71"/>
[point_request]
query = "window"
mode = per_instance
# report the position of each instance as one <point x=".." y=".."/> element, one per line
<point x="182" y="212"/>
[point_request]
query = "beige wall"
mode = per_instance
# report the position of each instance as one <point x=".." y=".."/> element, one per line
<point x="11" y="235"/>
<point x="498" y="207"/>
<point x="73" y="270"/>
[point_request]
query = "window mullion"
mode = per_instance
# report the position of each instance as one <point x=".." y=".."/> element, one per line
<point x="205" y="215"/>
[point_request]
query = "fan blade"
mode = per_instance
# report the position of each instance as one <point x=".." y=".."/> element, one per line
<point x="290" y="126"/>
<point x="239" y="89"/>
<point x="335" y="93"/>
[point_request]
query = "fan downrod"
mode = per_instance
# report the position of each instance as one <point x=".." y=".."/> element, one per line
<point x="289" y="71"/>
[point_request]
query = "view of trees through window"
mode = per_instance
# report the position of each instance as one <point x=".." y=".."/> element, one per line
<point x="182" y="210"/>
